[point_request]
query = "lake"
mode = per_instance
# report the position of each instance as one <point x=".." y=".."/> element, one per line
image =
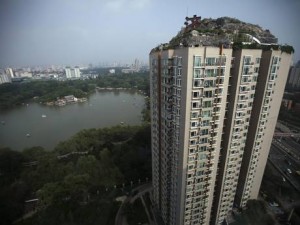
<point x="46" y="126"/>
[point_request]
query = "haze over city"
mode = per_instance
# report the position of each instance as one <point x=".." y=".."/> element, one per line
<point x="81" y="32"/>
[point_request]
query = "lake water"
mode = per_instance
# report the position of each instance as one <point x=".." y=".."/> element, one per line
<point x="103" y="109"/>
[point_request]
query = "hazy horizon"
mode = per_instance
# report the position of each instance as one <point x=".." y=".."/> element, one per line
<point x="77" y="32"/>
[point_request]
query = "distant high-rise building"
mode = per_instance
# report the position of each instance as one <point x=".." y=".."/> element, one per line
<point x="137" y="64"/>
<point x="5" y="78"/>
<point x="77" y="72"/>
<point x="68" y="72"/>
<point x="72" y="73"/>
<point x="294" y="77"/>
<point x="214" y="106"/>
<point x="9" y="72"/>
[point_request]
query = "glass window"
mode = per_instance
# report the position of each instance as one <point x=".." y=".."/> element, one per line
<point x="197" y="61"/>
<point x="275" y="60"/>
<point x="210" y="61"/>
<point x="273" y="69"/>
<point x="197" y="73"/>
<point x="247" y="60"/>
<point x="210" y="72"/>
<point x="207" y="104"/>
<point x="179" y="72"/>
<point x="179" y="61"/>
<point x="194" y="114"/>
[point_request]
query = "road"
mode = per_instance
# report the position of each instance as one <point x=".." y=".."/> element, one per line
<point x="282" y="161"/>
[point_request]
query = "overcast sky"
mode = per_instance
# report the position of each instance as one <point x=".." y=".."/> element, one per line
<point x="77" y="32"/>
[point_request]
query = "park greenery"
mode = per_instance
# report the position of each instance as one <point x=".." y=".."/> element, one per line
<point x="78" y="181"/>
<point x="12" y="94"/>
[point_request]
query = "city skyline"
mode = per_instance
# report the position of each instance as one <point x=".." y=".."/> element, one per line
<point x="79" y="32"/>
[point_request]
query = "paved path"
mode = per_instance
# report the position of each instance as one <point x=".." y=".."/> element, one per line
<point x="120" y="217"/>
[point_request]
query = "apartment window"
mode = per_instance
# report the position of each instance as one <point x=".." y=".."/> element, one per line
<point x="273" y="69"/>
<point x="243" y="88"/>
<point x="257" y="60"/>
<point x="210" y="61"/>
<point x="275" y="60"/>
<point x="197" y="73"/>
<point x="270" y="86"/>
<point x="245" y="79"/>
<point x="209" y="83"/>
<point x="206" y="113"/>
<point x="202" y="148"/>
<point x="239" y="114"/>
<point x="179" y="71"/>
<point x="195" y="105"/>
<point x="191" y="158"/>
<point x="197" y="83"/>
<point x="204" y="132"/>
<point x="192" y="142"/>
<point x="193" y="133"/>
<point x="247" y="60"/>
<point x="194" y="115"/>
<point x="179" y="61"/>
<point x="205" y="122"/>
<point x="197" y="61"/>
<point x="196" y="94"/>
<point x="256" y="69"/>
<point x="219" y="91"/>
<point x="203" y="156"/>
<point x="246" y="70"/>
<point x="203" y="140"/>
<point x="194" y="124"/>
<point x="208" y="94"/>
<point x="178" y="82"/>
<point x="207" y="104"/>
<point x="192" y="150"/>
<point x="210" y="72"/>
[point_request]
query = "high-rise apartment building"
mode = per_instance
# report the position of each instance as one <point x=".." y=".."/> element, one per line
<point x="4" y="78"/>
<point x="72" y="72"/>
<point x="10" y="72"/>
<point x="215" y="98"/>
<point x="294" y="77"/>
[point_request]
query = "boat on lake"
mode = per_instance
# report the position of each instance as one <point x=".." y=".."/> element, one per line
<point x="28" y="135"/>
<point x="44" y="116"/>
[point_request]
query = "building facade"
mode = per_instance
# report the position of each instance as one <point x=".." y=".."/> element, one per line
<point x="4" y="78"/>
<point x="72" y="73"/>
<point x="294" y="77"/>
<point x="10" y="72"/>
<point x="214" y="111"/>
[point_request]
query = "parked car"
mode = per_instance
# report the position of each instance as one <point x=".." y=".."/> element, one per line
<point x="288" y="170"/>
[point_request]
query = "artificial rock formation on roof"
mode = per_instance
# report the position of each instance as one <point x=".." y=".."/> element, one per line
<point x="224" y="30"/>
